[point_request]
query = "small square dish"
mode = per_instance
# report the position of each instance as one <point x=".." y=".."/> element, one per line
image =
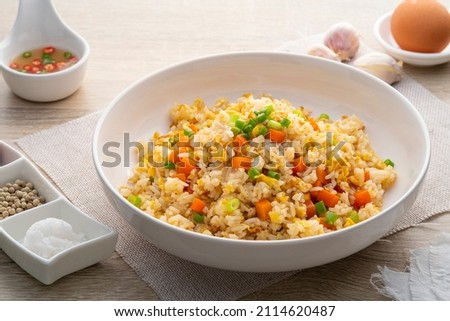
<point x="7" y="154"/>
<point x="97" y="243"/>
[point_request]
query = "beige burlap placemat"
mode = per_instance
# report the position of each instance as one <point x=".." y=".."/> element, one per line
<point x="64" y="153"/>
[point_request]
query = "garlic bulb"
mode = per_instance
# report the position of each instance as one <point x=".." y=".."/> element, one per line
<point x="380" y="65"/>
<point x="320" y="50"/>
<point x="343" y="40"/>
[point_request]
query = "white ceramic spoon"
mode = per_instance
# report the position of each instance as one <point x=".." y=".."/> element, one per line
<point x="38" y="25"/>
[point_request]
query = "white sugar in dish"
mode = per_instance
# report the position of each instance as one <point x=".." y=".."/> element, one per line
<point x="51" y="236"/>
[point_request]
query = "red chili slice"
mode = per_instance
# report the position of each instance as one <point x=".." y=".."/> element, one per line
<point x="14" y="65"/>
<point x="27" y="68"/>
<point x="61" y="65"/>
<point x="49" y="67"/>
<point x="36" y="62"/>
<point x="48" y="50"/>
<point x="35" y="70"/>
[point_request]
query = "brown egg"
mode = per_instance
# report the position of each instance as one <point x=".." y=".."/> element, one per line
<point x="421" y="26"/>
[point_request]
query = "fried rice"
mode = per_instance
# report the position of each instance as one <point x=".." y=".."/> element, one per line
<point x="259" y="168"/>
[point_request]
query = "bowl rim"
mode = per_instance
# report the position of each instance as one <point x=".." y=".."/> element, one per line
<point x="438" y="56"/>
<point x="234" y="55"/>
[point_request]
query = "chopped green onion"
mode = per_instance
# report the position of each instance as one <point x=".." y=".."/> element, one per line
<point x="188" y="132"/>
<point x="247" y="129"/>
<point x="263" y="130"/>
<point x="253" y="172"/>
<point x="324" y="116"/>
<point x="239" y="124"/>
<point x="261" y="118"/>
<point x="273" y="174"/>
<point x="299" y="113"/>
<point x="233" y="119"/>
<point x="236" y="131"/>
<point x="173" y="140"/>
<point x="255" y="131"/>
<point x="354" y="216"/>
<point x="285" y="122"/>
<point x="135" y="200"/>
<point x="268" y="110"/>
<point x="169" y="165"/>
<point x="26" y="54"/>
<point x="246" y="136"/>
<point x="331" y="217"/>
<point x="252" y="122"/>
<point x="274" y="125"/>
<point x="320" y="208"/>
<point x="388" y="162"/>
<point x="232" y="205"/>
<point x="197" y="217"/>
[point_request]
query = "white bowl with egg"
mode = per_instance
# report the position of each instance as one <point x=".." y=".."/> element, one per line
<point x="382" y="33"/>
<point x="393" y="124"/>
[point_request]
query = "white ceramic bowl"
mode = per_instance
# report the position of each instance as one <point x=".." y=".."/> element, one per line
<point x="38" y="25"/>
<point x="382" y="32"/>
<point x="394" y="125"/>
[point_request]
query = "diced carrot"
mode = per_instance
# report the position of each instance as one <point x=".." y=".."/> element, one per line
<point x="198" y="205"/>
<point x="327" y="197"/>
<point x="313" y="123"/>
<point x="299" y="166"/>
<point x="325" y="224"/>
<point x="366" y="176"/>
<point x="186" y="165"/>
<point x="277" y="136"/>
<point x="362" y="197"/>
<point x="321" y="174"/>
<point x="239" y="141"/>
<point x="180" y="176"/>
<point x="174" y="155"/>
<point x="315" y="193"/>
<point x="183" y="140"/>
<point x="241" y="162"/>
<point x="263" y="208"/>
<point x="310" y="209"/>
<point x="193" y="128"/>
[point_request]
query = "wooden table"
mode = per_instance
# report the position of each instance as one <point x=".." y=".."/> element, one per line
<point x="130" y="39"/>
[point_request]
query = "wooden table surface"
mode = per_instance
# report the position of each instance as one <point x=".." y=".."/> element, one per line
<point x="130" y="39"/>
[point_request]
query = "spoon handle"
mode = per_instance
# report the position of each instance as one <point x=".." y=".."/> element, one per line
<point x="35" y="14"/>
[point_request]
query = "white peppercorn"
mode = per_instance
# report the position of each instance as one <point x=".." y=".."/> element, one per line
<point x="18" y="196"/>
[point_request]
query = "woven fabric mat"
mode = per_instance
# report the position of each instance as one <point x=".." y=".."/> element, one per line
<point x="64" y="153"/>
